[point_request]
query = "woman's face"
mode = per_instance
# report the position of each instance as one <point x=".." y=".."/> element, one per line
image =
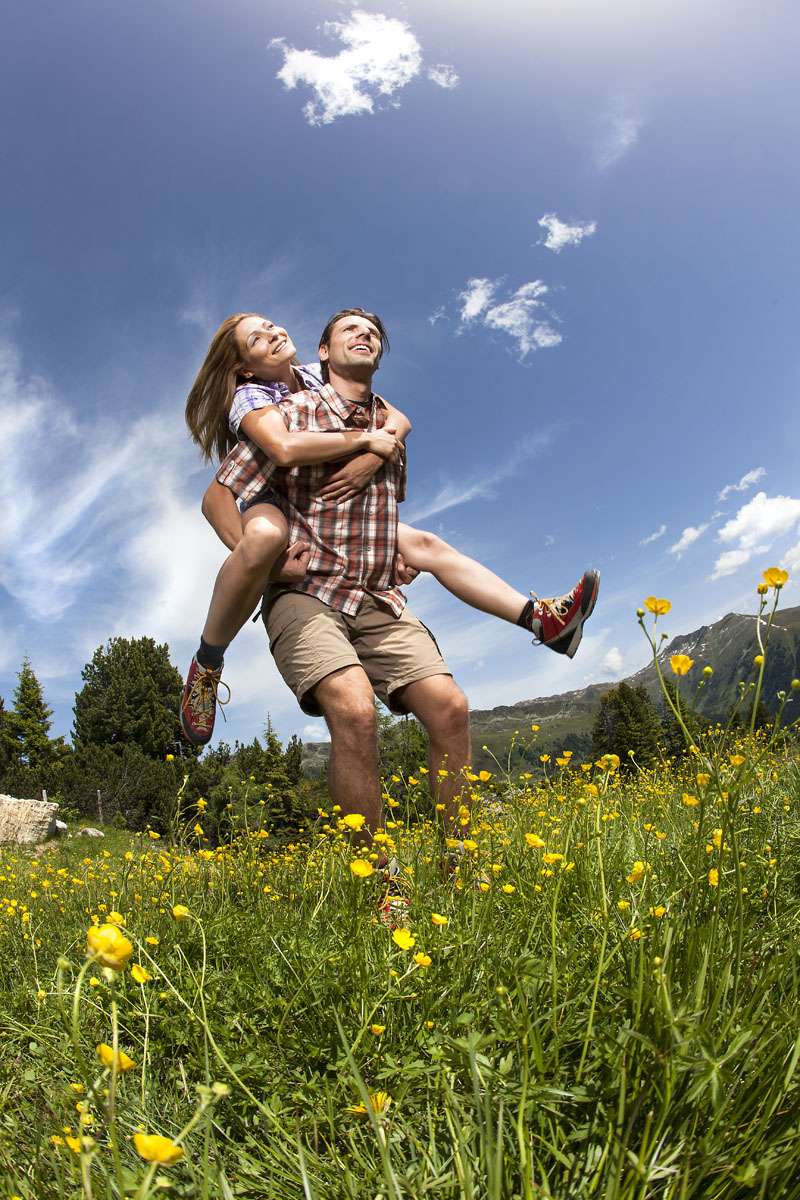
<point x="266" y="349"/>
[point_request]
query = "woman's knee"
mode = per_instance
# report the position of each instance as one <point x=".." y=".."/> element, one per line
<point x="262" y="542"/>
<point x="422" y="550"/>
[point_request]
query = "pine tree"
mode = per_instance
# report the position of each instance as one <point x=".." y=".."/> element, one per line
<point x="131" y="696"/>
<point x="26" y="728"/>
<point x="627" y="721"/>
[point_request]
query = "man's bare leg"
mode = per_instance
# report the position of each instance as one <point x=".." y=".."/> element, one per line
<point x="440" y="705"/>
<point x="348" y="706"/>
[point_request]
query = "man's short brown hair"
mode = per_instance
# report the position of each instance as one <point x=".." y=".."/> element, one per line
<point x="325" y="336"/>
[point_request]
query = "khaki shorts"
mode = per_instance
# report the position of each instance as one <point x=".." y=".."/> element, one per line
<point x="310" y="640"/>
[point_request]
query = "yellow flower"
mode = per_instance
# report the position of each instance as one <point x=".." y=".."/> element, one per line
<point x="622" y="905"/>
<point x="422" y="960"/>
<point x="638" y="872"/>
<point x="690" y="800"/>
<point x="552" y="858"/>
<point x="403" y="938"/>
<point x="106" y="1056"/>
<point x="534" y="841"/>
<point x="484" y="776"/>
<point x="659" y="607"/>
<point x="202" y="804"/>
<point x="74" y="1144"/>
<point x="361" y="868"/>
<point x="198" y="828"/>
<point x="152" y="833"/>
<point x="703" y="780"/>
<point x="508" y="888"/>
<point x="469" y="845"/>
<point x="438" y="919"/>
<point x="353" y="821"/>
<point x="153" y="941"/>
<point x="380" y="1101"/>
<point x="181" y="913"/>
<point x="658" y="912"/>
<point x="717" y="839"/>
<point x="635" y="934"/>
<point x="378" y="1029"/>
<point x="139" y="974"/>
<point x="108" y="946"/>
<point x="775" y="577"/>
<point x="713" y="877"/>
<point x="737" y="760"/>
<point x="681" y="663"/>
<point x="154" y="1148"/>
<point x="170" y="757"/>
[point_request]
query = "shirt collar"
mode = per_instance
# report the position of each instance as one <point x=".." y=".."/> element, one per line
<point x="348" y="408"/>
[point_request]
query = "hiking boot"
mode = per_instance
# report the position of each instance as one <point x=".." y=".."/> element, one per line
<point x="394" y="901"/>
<point x="199" y="702"/>
<point x="562" y="618"/>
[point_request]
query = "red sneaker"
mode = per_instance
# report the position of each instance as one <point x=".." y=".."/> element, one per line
<point x="562" y="618"/>
<point x="199" y="702"/>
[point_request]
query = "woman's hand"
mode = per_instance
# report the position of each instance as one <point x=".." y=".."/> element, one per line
<point x="384" y="442"/>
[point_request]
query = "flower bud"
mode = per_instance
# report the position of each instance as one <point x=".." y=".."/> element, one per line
<point x="796" y="685"/>
<point x="707" y="672"/>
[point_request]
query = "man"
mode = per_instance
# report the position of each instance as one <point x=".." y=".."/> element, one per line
<point x="343" y="633"/>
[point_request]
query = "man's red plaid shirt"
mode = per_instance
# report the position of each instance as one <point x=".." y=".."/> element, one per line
<point x="353" y="542"/>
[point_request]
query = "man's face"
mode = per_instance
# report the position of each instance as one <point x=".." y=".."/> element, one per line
<point x="264" y="348"/>
<point x="354" y="342"/>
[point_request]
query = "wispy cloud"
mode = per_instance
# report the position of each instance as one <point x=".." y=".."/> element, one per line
<point x="381" y="57"/>
<point x="612" y="663"/>
<point x="653" y="537"/>
<point x="560" y="234"/>
<point x="452" y="494"/>
<point x="744" y="483"/>
<point x="754" y="529"/>
<point x="689" y="536"/>
<point x="617" y="132"/>
<point x="523" y="316"/>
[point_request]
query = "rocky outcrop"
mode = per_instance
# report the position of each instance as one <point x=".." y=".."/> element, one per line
<point x="26" y="821"/>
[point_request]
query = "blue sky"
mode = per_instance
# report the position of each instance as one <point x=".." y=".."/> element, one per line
<point x="578" y="221"/>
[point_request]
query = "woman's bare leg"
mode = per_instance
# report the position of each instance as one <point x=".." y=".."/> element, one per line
<point x="467" y="579"/>
<point x="556" y="623"/>
<point x="244" y="574"/>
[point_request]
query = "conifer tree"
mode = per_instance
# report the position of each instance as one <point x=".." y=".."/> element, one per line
<point x="131" y="696"/>
<point x="26" y="727"/>
<point x="627" y="721"/>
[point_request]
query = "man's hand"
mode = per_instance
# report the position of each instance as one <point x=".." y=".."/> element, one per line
<point x="403" y="574"/>
<point x="292" y="565"/>
<point x="352" y="478"/>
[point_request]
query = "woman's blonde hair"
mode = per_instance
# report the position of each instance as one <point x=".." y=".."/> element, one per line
<point x="209" y="401"/>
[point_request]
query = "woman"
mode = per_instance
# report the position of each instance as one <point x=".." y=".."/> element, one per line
<point x="250" y="371"/>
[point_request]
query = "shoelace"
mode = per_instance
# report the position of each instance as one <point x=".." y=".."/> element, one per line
<point x="206" y="681"/>
<point x="551" y="606"/>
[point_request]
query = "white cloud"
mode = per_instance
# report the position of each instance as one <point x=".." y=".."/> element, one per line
<point x="689" y="536"/>
<point x="548" y="539"/>
<point x="761" y="520"/>
<point x="744" y="483"/>
<point x="618" y="132"/>
<point x="315" y="733"/>
<point x="475" y="298"/>
<point x="381" y="56"/>
<point x="730" y="561"/>
<point x="653" y="537"/>
<point x="755" y="527"/>
<point x="444" y="75"/>
<point x="523" y="317"/>
<point x="612" y="662"/>
<point x="559" y="234"/>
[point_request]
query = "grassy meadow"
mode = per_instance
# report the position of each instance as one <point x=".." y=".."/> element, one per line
<point x="600" y="1000"/>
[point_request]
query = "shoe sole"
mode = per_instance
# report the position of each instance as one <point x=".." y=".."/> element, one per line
<point x="588" y="601"/>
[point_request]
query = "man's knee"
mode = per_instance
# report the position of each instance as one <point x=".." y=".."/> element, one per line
<point x="439" y="703"/>
<point x="347" y="703"/>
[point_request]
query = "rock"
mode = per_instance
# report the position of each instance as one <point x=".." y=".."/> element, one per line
<point x="26" y="821"/>
<point x="61" y="828"/>
<point x="89" y="831"/>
